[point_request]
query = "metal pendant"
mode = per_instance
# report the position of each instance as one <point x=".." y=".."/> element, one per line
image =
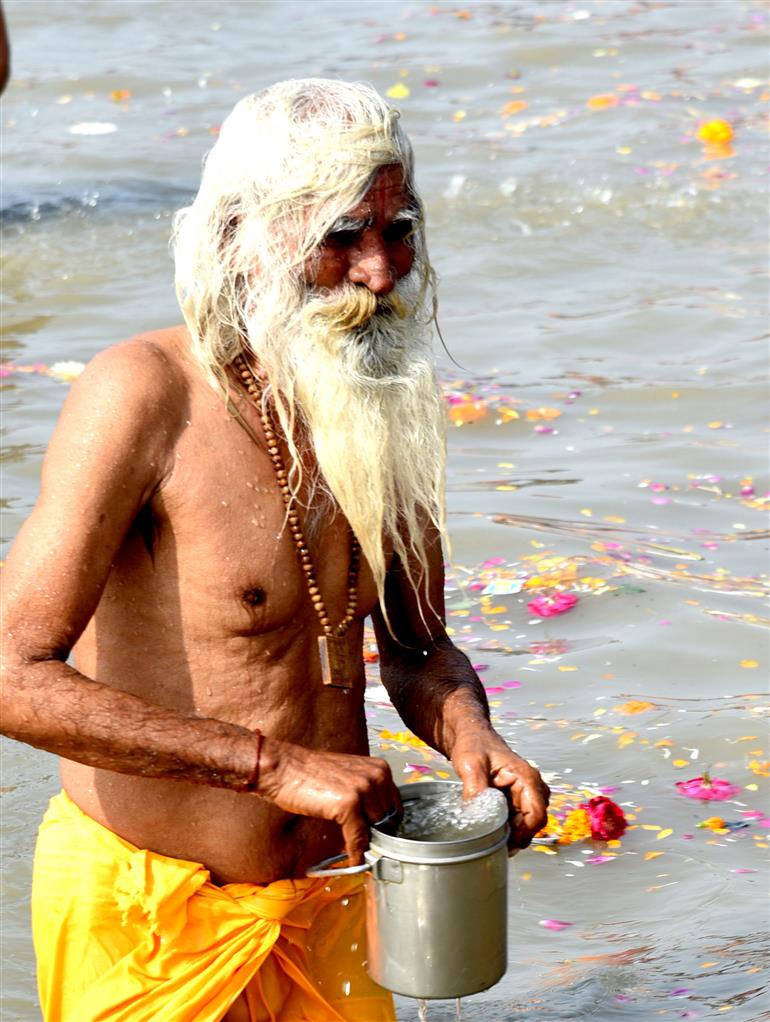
<point x="336" y="668"/>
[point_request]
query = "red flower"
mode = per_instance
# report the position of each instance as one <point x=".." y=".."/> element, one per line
<point x="606" y="817"/>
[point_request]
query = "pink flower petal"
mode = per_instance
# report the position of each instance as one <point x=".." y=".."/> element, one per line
<point x="554" y="924"/>
<point x="548" y="606"/>
<point x="709" y="789"/>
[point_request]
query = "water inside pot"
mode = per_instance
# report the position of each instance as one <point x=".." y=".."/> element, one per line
<point x="445" y="816"/>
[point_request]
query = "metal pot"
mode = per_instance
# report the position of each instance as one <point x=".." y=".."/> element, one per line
<point x="435" y="910"/>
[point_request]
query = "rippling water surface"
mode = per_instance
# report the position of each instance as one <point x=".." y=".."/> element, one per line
<point x="604" y="291"/>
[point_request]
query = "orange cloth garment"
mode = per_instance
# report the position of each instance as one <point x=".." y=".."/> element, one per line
<point x="126" y="935"/>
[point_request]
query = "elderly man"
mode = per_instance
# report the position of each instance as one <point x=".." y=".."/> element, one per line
<point x="222" y="505"/>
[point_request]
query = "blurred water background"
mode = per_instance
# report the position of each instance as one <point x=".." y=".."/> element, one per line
<point x="604" y="290"/>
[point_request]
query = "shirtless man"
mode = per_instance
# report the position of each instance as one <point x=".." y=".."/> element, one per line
<point x="192" y="542"/>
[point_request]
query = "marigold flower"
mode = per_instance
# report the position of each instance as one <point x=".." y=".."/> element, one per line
<point x="551" y="828"/>
<point x="576" y="827"/>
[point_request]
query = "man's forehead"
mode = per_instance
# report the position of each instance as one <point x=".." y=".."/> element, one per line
<point x="388" y="194"/>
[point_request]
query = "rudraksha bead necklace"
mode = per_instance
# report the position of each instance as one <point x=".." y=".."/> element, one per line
<point x="337" y="666"/>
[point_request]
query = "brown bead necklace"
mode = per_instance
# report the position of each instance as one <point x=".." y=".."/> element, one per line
<point x="338" y="668"/>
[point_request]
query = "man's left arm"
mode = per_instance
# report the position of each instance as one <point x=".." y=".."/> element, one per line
<point x="439" y="697"/>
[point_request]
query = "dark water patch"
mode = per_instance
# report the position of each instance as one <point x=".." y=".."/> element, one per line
<point x="20" y="453"/>
<point x="114" y="197"/>
<point x="29" y="325"/>
<point x="513" y="483"/>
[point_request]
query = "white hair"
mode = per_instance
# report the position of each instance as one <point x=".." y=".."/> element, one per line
<point x="288" y="164"/>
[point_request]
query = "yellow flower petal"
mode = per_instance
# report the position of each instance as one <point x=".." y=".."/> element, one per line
<point x="716" y="132"/>
<point x="602" y="101"/>
<point x="514" y="107"/>
<point x="634" y="706"/>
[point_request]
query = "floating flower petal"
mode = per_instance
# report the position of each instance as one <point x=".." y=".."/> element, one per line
<point x="716" y="132"/>
<point x="548" y="606"/>
<point x="710" y="789"/>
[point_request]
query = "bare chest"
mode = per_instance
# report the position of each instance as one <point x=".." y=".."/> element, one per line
<point x="218" y="524"/>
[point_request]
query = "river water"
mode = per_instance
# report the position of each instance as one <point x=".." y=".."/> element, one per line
<point x="604" y="292"/>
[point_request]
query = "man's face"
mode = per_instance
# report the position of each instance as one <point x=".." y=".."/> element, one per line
<point x="371" y="244"/>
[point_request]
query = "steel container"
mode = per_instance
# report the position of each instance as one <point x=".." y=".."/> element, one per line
<point x="436" y="910"/>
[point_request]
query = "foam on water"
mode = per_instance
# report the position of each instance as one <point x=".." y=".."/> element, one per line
<point x="446" y="817"/>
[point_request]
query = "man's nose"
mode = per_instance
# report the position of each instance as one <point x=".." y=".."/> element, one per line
<point x="371" y="266"/>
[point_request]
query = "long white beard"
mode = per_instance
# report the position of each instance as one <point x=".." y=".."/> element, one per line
<point x="357" y="375"/>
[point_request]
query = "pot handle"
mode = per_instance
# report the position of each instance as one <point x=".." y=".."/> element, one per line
<point x="324" y="868"/>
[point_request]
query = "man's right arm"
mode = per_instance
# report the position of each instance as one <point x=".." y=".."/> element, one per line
<point x="112" y="448"/>
<point x="110" y="451"/>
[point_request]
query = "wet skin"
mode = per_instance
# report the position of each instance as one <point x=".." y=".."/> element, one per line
<point x="371" y="246"/>
<point x="156" y="554"/>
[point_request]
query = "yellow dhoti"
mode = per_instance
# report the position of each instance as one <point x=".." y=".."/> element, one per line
<point x="125" y="935"/>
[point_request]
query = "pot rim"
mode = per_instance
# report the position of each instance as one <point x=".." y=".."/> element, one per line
<point x="438" y="852"/>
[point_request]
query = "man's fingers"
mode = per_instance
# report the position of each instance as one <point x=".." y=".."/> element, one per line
<point x="531" y="818"/>
<point x="355" y="834"/>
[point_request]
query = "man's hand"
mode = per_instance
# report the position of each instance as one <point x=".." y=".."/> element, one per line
<point x="354" y="791"/>
<point x="483" y="760"/>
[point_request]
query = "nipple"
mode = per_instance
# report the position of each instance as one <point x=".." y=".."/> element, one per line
<point x="253" y="597"/>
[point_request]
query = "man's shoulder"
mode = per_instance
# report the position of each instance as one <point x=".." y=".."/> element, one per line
<point x="152" y="355"/>
<point x="148" y="372"/>
<point x="134" y="395"/>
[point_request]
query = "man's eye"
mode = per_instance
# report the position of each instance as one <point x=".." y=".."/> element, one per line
<point x="340" y="239"/>
<point x="401" y="230"/>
